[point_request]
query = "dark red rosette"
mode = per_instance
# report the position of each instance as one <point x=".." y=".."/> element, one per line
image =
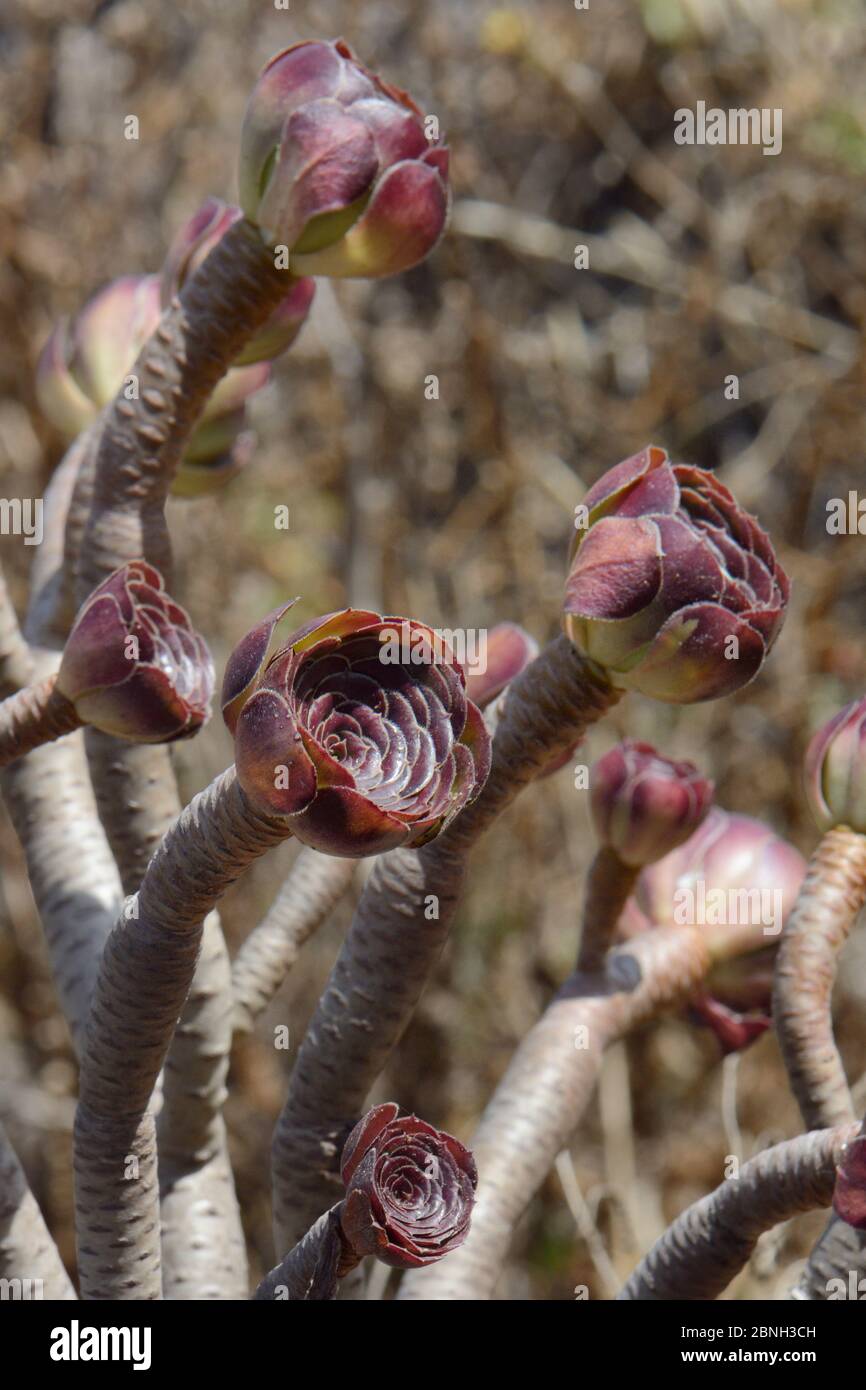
<point x="644" y="805"/>
<point x="336" y="165"/>
<point x="410" y="1189"/>
<point x="133" y="665"/>
<point x="674" y="589"/>
<point x="357" y="728"/>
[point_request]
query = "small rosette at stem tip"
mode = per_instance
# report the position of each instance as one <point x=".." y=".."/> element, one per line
<point x="133" y="666"/>
<point x="643" y="805"/>
<point x="410" y="1190"/>
<point x="733" y="877"/>
<point x="357" y="728"/>
<point x="673" y="589"/>
<point x="193" y="244"/>
<point x="336" y="165"/>
<point x="835" y="770"/>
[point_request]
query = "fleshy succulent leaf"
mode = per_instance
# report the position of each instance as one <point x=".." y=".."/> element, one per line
<point x="133" y="666"/>
<point x="378" y="707"/>
<point x="673" y="589"/>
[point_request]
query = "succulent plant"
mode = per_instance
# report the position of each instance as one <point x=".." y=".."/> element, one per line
<point x="83" y="363"/>
<point x="410" y="1189"/>
<point x="835" y="770"/>
<point x="673" y="589"/>
<point x="86" y="360"/>
<point x="726" y="870"/>
<point x="335" y="164"/>
<point x="357" y="728"/>
<point x="644" y="805"/>
<point x="133" y="666"/>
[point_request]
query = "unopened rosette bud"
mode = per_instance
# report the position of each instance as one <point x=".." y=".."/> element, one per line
<point x="509" y="651"/>
<point x="83" y="364"/>
<point x="644" y="805"/>
<point x="88" y="359"/>
<point x="849" y="1196"/>
<point x="410" y="1190"/>
<point x="673" y="589"/>
<point x="835" y="768"/>
<point x="335" y="164"/>
<point x="734" y="878"/>
<point x="133" y="666"/>
<point x="357" y="728"/>
<point x="194" y="242"/>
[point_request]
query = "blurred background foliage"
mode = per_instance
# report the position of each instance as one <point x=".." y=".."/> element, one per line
<point x="703" y="262"/>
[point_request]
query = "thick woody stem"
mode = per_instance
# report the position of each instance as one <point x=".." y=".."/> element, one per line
<point x="827" y="905"/>
<point x="145" y="975"/>
<point x="27" y="1251"/>
<point x="710" y="1242"/>
<point x="540" y="1100"/>
<point x="376" y="981"/>
<point x="16" y="664"/>
<point x="311" y="891"/>
<point x="608" y="885"/>
<point x="203" y="1250"/>
<point x="396" y="937"/>
<point x="311" y="1270"/>
<point x="36" y="715"/>
<point x="199" y="336"/>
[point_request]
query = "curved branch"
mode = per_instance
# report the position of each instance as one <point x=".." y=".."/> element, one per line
<point x="204" y="1253"/>
<point x="31" y="717"/>
<point x="203" y="1249"/>
<point x="144" y="979"/>
<point x="314" y="886"/>
<point x="699" y="1255"/>
<point x="540" y="1100"/>
<point x="397" y="934"/>
<point x="310" y="1270"/>
<point x="827" y="905"/>
<point x="140" y="444"/>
